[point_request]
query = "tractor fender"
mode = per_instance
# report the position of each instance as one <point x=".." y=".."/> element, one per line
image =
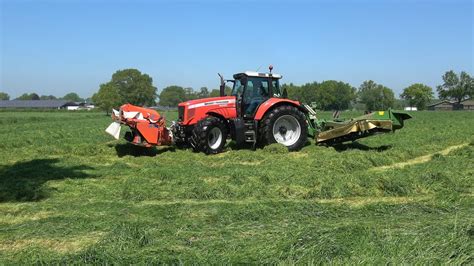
<point x="274" y="102"/>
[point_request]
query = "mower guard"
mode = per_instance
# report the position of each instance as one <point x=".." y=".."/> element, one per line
<point x="147" y="127"/>
<point x="114" y="129"/>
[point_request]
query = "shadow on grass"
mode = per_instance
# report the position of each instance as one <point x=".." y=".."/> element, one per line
<point x="137" y="151"/>
<point x="23" y="181"/>
<point x="357" y="146"/>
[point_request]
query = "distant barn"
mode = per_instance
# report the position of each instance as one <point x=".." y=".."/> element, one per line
<point x="468" y="104"/>
<point x="450" y="105"/>
<point x="38" y="104"/>
<point x="441" y="106"/>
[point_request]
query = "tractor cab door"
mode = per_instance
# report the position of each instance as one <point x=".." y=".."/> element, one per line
<point x="256" y="90"/>
<point x="250" y="93"/>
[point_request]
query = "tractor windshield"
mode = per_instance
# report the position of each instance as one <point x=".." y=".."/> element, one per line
<point x="238" y="88"/>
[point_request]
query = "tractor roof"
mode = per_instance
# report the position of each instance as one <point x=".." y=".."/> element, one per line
<point x="256" y="74"/>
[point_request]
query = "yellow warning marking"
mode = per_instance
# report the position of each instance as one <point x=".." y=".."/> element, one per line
<point x="381" y="112"/>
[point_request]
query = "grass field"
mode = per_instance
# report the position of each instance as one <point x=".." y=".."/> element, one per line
<point x="70" y="193"/>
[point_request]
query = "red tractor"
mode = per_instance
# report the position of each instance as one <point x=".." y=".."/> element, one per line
<point x="256" y="112"/>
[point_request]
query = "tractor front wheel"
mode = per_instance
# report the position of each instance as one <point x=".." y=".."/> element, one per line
<point x="209" y="135"/>
<point x="285" y="125"/>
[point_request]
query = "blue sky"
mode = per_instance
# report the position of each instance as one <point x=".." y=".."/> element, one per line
<point x="54" y="47"/>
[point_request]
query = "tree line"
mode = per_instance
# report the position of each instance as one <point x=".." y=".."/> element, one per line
<point x="172" y="95"/>
<point x="337" y="95"/>
<point x="72" y="96"/>
<point x="132" y="86"/>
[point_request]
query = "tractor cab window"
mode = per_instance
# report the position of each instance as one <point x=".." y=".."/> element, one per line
<point x="256" y="92"/>
<point x="238" y="88"/>
<point x="276" y="88"/>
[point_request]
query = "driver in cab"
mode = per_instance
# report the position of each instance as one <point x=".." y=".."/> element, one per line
<point x="255" y="96"/>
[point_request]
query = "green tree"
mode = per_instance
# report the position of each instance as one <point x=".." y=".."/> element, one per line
<point x="107" y="97"/>
<point x="88" y="100"/>
<point x="375" y="96"/>
<point x="4" y="96"/>
<point x="227" y="90"/>
<point x="456" y="87"/>
<point x="73" y="97"/>
<point x="418" y="95"/>
<point x="203" y="93"/>
<point x="294" y="92"/>
<point x="328" y="95"/>
<point x="28" y="96"/>
<point x="134" y="87"/>
<point x="308" y="92"/>
<point x="172" y="95"/>
<point x="334" y="95"/>
<point x="48" y="97"/>
<point x="217" y="92"/>
<point x="189" y="94"/>
<point x="400" y="104"/>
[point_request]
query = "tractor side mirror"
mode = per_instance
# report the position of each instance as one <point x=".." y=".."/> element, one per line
<point x="284" y="94"/>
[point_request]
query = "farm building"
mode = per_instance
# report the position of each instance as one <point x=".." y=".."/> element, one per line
<point x="441" y="106"/>
<point x="468" y="104"/>
<point x="86" y="106"/>
<point x="38" y="104"/>
<point x="451" y="105"/>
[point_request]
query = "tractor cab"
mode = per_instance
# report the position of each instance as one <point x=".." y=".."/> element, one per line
<point x="252" y="89"/>
<point x="261" y="112"/>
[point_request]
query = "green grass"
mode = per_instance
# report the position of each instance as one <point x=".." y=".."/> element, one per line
<point x="70" y="193"/>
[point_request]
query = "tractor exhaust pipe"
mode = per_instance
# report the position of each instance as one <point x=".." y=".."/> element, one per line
<point x="222" y="86"/>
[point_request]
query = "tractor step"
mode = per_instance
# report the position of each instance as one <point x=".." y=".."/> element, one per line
<point x="249" y="125"/>
<point x="250" y="133"/>
<point x="250" y="136"/>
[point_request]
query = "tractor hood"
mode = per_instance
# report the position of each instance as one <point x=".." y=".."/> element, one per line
<point x="192" y="111"/>
<point x="213" y="101"/>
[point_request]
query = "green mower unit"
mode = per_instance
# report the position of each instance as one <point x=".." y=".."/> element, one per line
<point x="337" y="131"/>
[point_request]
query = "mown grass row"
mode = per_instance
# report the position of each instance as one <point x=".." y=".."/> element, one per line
<point x="266" y="232"/>
<point x="69" y="193"/>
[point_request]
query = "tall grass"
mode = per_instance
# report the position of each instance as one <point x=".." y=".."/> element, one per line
<point x="70" y="193"/>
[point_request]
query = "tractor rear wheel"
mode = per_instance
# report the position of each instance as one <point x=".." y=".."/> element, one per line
<point x="286" y="125"/>
<point x="209" y="135"/>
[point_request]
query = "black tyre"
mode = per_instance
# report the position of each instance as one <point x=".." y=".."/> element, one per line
<point x="286" y="125"/>
<point x="181" y="135"/>
<point x="209" y="135"/>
